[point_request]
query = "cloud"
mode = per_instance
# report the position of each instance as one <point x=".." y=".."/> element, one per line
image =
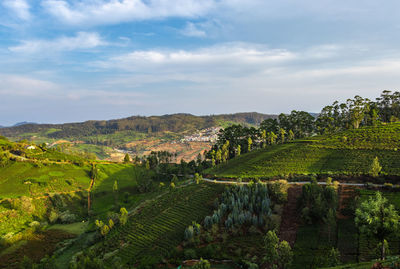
<point x="192" y="30"/>
<point x="81" y="41"/>
<point x="19" y="7"/>
<point x="255" y="77"/>
<point x="116" y="11"/>
<point x="236" y="57"/>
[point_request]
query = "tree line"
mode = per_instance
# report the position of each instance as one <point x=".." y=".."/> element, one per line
<point x="352" y="114"/>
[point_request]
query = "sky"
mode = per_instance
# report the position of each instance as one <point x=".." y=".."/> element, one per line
<point x="77" y="60"/>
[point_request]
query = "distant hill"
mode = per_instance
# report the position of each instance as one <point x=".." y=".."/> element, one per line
<point x="23" y="123"/>
<point x="176" y="123"/>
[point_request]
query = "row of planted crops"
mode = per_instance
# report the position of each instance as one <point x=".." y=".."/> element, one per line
<point x="158" y="227"/>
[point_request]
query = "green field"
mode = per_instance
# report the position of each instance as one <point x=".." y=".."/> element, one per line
<point x="158" y="227"/>
<point x="347" y="153"/>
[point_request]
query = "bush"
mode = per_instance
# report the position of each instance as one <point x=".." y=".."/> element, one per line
<point x="189" y="254"/>
<point x="53" y="216"/>
<point x="67" y="217"/>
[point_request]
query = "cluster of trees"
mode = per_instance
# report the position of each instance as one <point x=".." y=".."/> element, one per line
<point x="237" y="139"/>
<point x="162" y="163"/>
<point x="121" y="219"/>
<point x="240" y="207"/>
<point x="318" y="204"/>
<point x="353" y="113"/>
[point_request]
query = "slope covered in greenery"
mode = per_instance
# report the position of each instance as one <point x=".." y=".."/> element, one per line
<point x="158" y="226"/>
<point x="41" y="187"/>
<point x="349" y="152"/>
<point x="172" y="123"/>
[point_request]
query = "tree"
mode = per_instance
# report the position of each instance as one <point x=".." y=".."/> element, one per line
<point x="333" y="258"/>
<point x="127" y="159"/>
<point x="264" y="138"/>
<point x="330" y="221"/>
<point x="272" y="137"/>
<point x="291" y="135"/>
<point x="218" y="156"/>
<point x="26" y="263"/>
<point x="282" y="132"/>
<point x="104" y="230"/>
<point x="277" y="254"/>
<point x="110" y="223"/>
<point x="358" y="108"/>
<point x="377" y="218"/>
<point x="225" y="151"/>
<point x="249" y="143"/>
<point x="375" y="167"/>
<point x="123" y="217"/>
<point x="202" y="264"/>
<point x="115" y="192"/>
<point x="94" y="172"/>
<point x="197" y="178"/>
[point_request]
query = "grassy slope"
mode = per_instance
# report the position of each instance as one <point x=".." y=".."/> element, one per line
<point x="349" y="152"/>
<point x="158" y="227"/>
<point x="35" y="180"/>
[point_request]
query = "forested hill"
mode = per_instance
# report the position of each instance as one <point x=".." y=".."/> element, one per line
<point x="153" y="124"/>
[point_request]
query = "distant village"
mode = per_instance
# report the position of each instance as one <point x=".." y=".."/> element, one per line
<point x="205" y="135"/>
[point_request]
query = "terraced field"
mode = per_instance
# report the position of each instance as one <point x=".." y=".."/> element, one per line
<point x="346" y="153"/>
<point x="158" y="227"/>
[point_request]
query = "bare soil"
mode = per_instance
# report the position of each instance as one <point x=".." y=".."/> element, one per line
<point x="290" y="216"/>
<point x="346" y="196"/>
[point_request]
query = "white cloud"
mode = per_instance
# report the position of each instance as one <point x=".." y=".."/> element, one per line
<point x="192" y="30"/>
<point x="82" y="40"/>
<point x="236" y="57"/>
<point x="19" y="7"/>
<point x="116" y="11"/>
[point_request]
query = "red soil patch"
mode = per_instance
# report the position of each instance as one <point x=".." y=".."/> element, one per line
<point x="290" y="216"/>
<point x="43" y="244"/>
<point x="346" y="195"/>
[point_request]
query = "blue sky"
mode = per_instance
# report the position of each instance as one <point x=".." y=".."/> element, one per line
<point x="75" y="60"/>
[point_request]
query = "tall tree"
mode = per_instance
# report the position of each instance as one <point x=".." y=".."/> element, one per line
<point x="375" y="167"/>
<point x="249" y="143"/>
<point x="377" y="218"/>
<point x="127" y="159"/>
<point x="282" y="132"/>
<point x="358" y="108"/>
<point x="277" y="254"/>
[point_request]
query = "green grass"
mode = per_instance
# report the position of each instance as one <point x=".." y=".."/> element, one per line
<point x="73" y="228"/>
<point x="321" y="155"/>
<point x="27" y="179"/>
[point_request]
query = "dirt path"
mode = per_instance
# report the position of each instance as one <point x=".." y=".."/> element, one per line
<point x="290" y="216"/>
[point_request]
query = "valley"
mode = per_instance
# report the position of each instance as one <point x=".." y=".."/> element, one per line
<point x="243" y="196"/>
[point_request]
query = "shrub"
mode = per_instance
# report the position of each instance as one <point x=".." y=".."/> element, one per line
<point x="189" y="253"/>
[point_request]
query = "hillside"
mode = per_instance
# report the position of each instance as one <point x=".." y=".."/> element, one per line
<point x="41" y="188"/>
<point x="136" y="135"/>
<point x="346" y="153"/>
<point x="154" y="124"/>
